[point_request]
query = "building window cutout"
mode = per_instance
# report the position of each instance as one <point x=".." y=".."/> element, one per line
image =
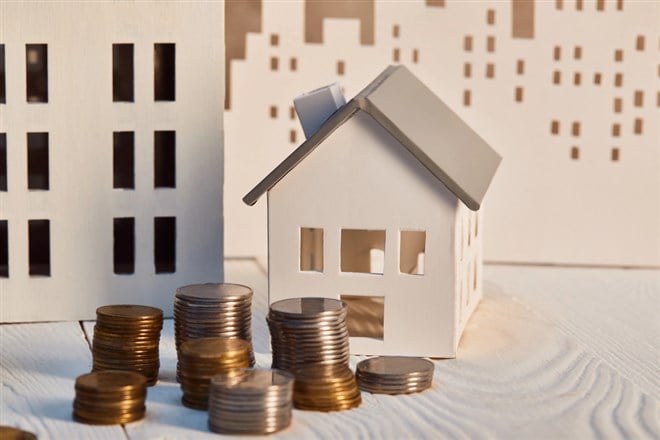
<point x="639" y="43"/>
<point x="577" y="52"/>
<point x="577" y="78"/>
<point x="39" y="247"/>
<point x="164" y="159"/>
<point x="274" y="63"/>
<point x="490" y="16"/>
<point x="600" y="5"/>
<point x="554" y="127"/>
<point x="274" y="39"/>
<point x="578" y="5"/>
<point x="3" y="161"/>
<point x="618" y="55"/>
<point x="164" y="72"/>
<point x="615" y="154"/>
<point x="292" y="112"/>
<point x="37" y="161"/>
<point x="616" y="130"/>
<point x="311" y="249"/>
<point x="123" y="159"/>
<point x="467" y="98"/>
<point x="638" y="99"/>
<point x="3" y="82"/>
<point x="165" y="244"/>
<point x="341" y="68"/>
<point x="575" y="153"/>
<point x="467" y="43"/>
<point x="597" y="78"/>
<point x="4" y="249"/>
<point x="637" y="129"/>
<point x="618" y="80"/>
<point x="122" y="73"/>
<point x="556" y="53"/>
<point x="36" y="70"/>
<point x="293" y="136"/>
<point x="124" y="245"/>
<point x="396" y="55"/>
<point x="475" y="275"/>
<point x="559" y="4"/>
<point x="395" y="31"/>
<point x="618" y="105"/>
<point x="293" y="64"/>
<point x="520" y="67"/>
<point x="575" y="129"/>
<point x="415" y="56"/>
<point x="467" y="70"/>
<point x="556" y="77"/>
<point x="366" y="316"/>
<point x="490" y="44"/>
<point x="519" y="94"/>
<point x="273" y="112"/>
<point x="356" y="247"/>
<point x="412" y="252"/>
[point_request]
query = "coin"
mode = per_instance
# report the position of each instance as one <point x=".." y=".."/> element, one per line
<point x="325" y="388"/>
<point x="11" y="433"/>
<point x="394" y="374"/>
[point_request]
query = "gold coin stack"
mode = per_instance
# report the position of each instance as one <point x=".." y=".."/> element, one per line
<point x="252" y="402"/>
<point x="126" y="337"/>
<point x="213" y="310"/>
<point x="201" y="359"/>
<point x="394" y="374"/>
<point x="11" y="433"/>
<point x="110" y="397"/>
<point x="308" y="331"/>
<point x="325" y="388"/>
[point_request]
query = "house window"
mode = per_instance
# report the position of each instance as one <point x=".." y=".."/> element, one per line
<point x="36" y="71"/>
<point x="412" y="252"/>
<point x="311" y="249"/>
<point x="123" y="159"/>
<point x="3" y="161"/>
<point x="366" y="316"/>
<point x="362" y="250"/>
<point x="37" y="161"/>
<point x="4" y="249"/>
<point x="122" y="72"/>
<point x="3" y="83"/>
<point x="165" y="244"/>
<point x="124" y="245"/>
<point x="164" y="159"/>
<point x="39" y="247"/>
<point x="164" y="71"/>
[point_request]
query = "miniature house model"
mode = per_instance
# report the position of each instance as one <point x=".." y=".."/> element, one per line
<point x="380" y="207"/>
<point x="110" y="154"/>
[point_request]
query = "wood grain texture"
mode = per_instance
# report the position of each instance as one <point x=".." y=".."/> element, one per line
<point x="549" y="353"/>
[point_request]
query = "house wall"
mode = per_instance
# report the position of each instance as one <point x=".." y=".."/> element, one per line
<point x="361" y="178"/>
<point x="468" y="252"/>
<point x="80" y="117"/>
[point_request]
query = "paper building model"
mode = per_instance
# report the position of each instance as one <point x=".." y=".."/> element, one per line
<point x="111" y="150"/>
<point x="380" y="207"/>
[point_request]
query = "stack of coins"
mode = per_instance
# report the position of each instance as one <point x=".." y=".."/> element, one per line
<point x="325" y="388"/>
<point x="201" y="359"/>
<point x="213" y="310"/>
<point x="308" y="331"/>
<point x="253" y="402"/>
<point x="109" y="397"/>
<point x="11" y="433"/>
<point x="394" y="374"/>
<point x="126" y="337"/>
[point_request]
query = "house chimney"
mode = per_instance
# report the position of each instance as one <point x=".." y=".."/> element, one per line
<point x="315" y="107"/>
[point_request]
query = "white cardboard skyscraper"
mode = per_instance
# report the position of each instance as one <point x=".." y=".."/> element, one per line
<point x="111" y="154"/>
<point x="380" y="207"/>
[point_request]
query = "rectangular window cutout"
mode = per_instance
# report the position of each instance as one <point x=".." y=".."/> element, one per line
<point x="293" y="64"/>
<point x="396" y="55"/>
<point x="415" y="56"/>
<point x="124" y="245"/>
<point x="37" y="161"/>
<point x="4" y="249"/>
<point x="556" y="53"/>
<point x="341" y="67"/>
<point x="164" y="72"/>
<point x="519" y="94"/>
<point x="639" y="123"/>
<point x="618" y="55"/>
<point x="490" y="70"/>
<point x="597" y="78"/>
<point x="575" y="153"/>
<point x="311" y="249"/>
<point x="490" y="44"/>
<point x="467" y="98"/>
<point x="395" y="31"/>
<point x="273" y="112"/>
<point x="39" y="247"/>
<point x="577" y="52"/>
<point x="123" y="159"/>
<point x="520" y="67"/>
<point x="615" y="154"/>
<point x="3" y="161"/>
<point x="618" y="105"/>
<point x="638" y="99"/>
<point x="36" y="70"/>
<point x="293" y="136"/>
<point x="366" y="316"/>
<point x="164" y="159"/>
<point x="556" y="77"/>
<point x="362" y="250"/>
<point x="639" y="42"/>
<point x="3" y="82"/>
<point x="274" y="63"/>
<point x="575" y="129"/>
<point x="467" y="70"/>
<point x="413" y="252"/>
<point x="165" y="244"/>
<point x="122" y="72"/>
<point x="554" y="127"/>
<point x="274" y="39"/>
<point x="600" y="5"/>
<point x="490" y="16"/>
<point x="467" y="43"/>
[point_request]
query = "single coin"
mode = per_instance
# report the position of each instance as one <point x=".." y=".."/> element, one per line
<point x="11" y="433"/>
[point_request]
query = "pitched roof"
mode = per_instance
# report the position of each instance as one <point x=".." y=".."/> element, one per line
<point x="422" y="123"/>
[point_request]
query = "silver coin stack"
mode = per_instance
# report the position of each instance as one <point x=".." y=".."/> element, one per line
<point x="251" y="402"/>
<point x="308" y="331"/>
<point x="213" y="310"/>
<point x="394" y="374"/>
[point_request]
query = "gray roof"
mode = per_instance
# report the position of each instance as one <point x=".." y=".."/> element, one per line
<point x="422" y="123"/>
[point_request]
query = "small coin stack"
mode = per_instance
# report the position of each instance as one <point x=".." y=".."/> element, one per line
<point x="308" y="331"/>
<point x="201" y="359"/>
<point x="253" y="402"/>
<point x="126" y="337"/>
<point x="213" y="310"/>
<point x="110" y="397"/>
<point x="11" y="433"/>
<point x="325" y="388"/>
<point x="394" y="374"/>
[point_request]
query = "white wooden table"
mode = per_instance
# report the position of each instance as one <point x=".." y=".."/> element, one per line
<point x="549" y="353"/>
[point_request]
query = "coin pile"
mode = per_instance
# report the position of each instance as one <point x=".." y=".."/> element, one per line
<point x="325" y="388"/>
<point x="126" y="337"/>
<point x="308" y="331"/>
<point x="201" y="359"/>
<point x="253" y="402"/>
<point x="213" y="310"/>
<point x="109" y="397"/>
<point x="11" y="433"/>
<point x="394" y="374"/>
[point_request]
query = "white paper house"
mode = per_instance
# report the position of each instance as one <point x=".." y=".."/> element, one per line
<point x="111" y="150"/>
<point x="380" y="207"/>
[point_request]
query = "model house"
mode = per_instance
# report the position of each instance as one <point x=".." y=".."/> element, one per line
<point x="380" y="207"/>
<point x="111" y="150"/>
